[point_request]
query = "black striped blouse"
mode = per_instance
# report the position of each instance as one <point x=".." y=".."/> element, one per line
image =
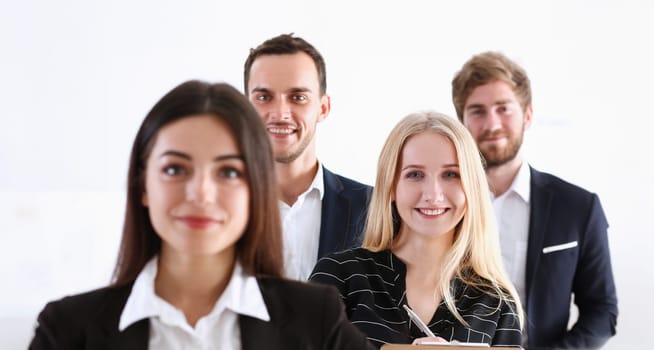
<point x="372" y="285"/>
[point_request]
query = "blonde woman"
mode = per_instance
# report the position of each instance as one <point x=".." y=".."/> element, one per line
<point x="430" y="243"/>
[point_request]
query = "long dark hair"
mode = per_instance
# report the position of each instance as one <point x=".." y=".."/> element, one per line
<point x="259" y="249"/>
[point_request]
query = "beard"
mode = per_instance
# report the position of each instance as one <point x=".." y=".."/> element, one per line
<point x="496" y="156"/>
<point x="292" y="155"/>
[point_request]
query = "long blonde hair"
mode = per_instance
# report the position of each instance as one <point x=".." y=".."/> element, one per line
<point x="474" y="257"/>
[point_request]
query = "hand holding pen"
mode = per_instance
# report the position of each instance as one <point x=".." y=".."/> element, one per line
<point x="431" y="337"/>
<point x="415" y="319"/>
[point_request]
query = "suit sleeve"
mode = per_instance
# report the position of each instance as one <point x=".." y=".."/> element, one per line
<point x="593" y="287"/>
<point x="339" y="332"/>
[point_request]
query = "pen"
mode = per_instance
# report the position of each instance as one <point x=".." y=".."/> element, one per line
<point x="414" y="317"/>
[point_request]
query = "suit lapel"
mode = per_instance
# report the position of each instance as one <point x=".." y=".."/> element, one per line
<point x="541" y="200"/>
<point x="104" y="333"/>
<point x="334" y="220"/>
<point x="274" y="334"/>
<point x="257" y="334"/>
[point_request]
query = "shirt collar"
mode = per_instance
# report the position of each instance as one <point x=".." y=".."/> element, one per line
<point x="242" y="296"/>
<point x="521" y="183"/>
<point x="318" y="182"/>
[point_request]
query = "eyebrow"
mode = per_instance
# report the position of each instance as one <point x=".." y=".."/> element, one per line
<point x="299" y="89"/>
<point x="259" y="89"/>
<point x="292" y="90"/>
<point x="412" y="166"/>
<point x="453" y="165"/>
<point x="188" y="157"/>
<point x="498" y="102"/>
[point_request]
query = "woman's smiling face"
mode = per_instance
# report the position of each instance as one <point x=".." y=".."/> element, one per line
<point x="428" y="192"/>
<point x="196" y="187"/>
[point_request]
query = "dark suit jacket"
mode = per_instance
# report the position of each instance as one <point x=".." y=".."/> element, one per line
<point x="563" y="213"/>
<point x="303" y="316"/>
<point x="344" y="208"/>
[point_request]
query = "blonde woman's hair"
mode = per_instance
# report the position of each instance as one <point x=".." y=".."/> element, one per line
<point x="474" y="257"/>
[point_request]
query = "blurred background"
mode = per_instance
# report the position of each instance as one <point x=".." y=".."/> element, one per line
<point x="77" y="78"/>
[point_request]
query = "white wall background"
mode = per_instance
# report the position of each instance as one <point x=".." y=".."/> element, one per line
<point x="77" y="77"/>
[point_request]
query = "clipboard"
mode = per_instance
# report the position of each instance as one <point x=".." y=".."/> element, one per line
<point x="444" y="347"/>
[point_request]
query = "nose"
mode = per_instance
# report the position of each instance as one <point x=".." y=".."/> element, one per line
<point x="492" y="121"/>
<point x="201" y="190"/>
<point x="281" y="110"/>
<point x="433" y="192"/>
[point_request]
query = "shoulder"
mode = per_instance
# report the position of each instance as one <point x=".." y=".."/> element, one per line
<point x="64" y="321"/>
<point x="353" y="260"/>
<point x="336" y="266"/>
<point x="88" y="304"/>
<point x="565" y="193"/>
<point x="352" y="254"/>
<point x="543" y="179"/>
<point x="340" y="182"/>
<point x="355" y="268"/>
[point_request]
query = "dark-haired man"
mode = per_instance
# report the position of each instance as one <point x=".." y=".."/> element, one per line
<point x="322" y="212"/>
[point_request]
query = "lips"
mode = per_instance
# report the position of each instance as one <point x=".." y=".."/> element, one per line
<point x="431" y="211"/>
<point x="197" y="222"/>
<point x="281" y="129"/>
<point x="492" y="137"/>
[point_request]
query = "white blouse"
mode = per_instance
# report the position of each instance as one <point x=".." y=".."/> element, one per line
<point x="217" y="330"/>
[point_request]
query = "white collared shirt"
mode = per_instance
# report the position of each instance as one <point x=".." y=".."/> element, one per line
<point x="217" y="330"/>
<point x="301" y="230"/>
<point x="512" y="214"/>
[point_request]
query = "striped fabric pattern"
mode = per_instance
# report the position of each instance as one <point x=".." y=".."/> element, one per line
<point x="372" y="285"/>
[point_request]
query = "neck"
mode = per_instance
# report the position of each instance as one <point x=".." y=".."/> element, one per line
<point x="193" y="284"/>
<point x="501" y="177"/>
<point x="294" y="178"/>
<point x="424" y="259"/>
<point x="423" y="255"/>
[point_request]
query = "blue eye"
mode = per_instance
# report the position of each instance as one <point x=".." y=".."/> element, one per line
<point x="452" y="174"/>
<point x="414" y="175"/>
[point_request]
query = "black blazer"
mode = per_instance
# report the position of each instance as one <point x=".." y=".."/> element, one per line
<point x="564" y="213"/>
<point x="344" y="208"/>
<point x="303" y="316"/>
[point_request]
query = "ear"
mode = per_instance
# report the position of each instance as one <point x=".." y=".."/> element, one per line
<point x="529" y="112"/>
<point x="325" y="107"/>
